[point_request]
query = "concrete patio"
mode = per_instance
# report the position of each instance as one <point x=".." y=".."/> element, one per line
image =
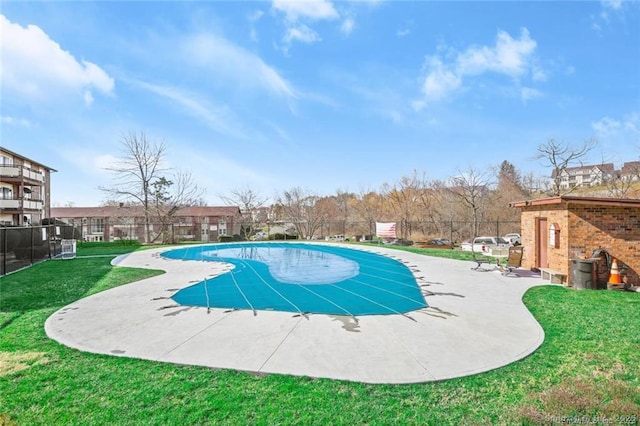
<point x="475" y="322"/>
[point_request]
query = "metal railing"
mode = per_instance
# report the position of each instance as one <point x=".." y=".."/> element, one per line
<point x="21" y="204"/>
<point x="21" y="172"/>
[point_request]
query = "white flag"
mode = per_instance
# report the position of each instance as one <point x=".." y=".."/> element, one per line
<point x="386" y="230"/>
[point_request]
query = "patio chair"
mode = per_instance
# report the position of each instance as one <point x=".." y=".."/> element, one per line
<point x="481" y="260"/>
<point x="513" y="262"/>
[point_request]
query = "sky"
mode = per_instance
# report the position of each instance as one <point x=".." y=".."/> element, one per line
<point x="321" y="95"/>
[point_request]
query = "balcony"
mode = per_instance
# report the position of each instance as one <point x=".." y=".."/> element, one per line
<point x="21" y="205"/>
<point x="20" y="174"/>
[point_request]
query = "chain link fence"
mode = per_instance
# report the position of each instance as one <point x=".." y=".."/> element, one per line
<point x="24" y="246"/>
<point x="456" y="231"/>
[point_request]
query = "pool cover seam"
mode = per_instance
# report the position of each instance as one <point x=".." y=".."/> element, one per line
<point x="270" y="286"/>
<point x="353" y="254"/>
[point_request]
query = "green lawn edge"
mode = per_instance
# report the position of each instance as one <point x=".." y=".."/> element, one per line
<point x="587" y="367"/>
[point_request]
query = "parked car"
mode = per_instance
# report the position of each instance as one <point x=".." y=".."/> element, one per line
<point x="484" y="244"/>
<point x="513" y="239"/>
<point x="435" y="243"/>
<point x="466" y="245"/>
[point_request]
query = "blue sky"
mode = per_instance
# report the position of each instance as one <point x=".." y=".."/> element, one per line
<point x="317" y="94"/>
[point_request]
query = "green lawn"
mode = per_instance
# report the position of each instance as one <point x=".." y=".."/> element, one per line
<point x="588" y="365"/>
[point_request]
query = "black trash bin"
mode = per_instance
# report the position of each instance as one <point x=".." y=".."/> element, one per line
<point x="583" y="274"/>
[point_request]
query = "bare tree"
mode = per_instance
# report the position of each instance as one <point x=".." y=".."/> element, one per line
<point x="329" y="210"/>
<point x="508" y="189"/>
<point x="559" y="157"/>
<point x="139" y="165"/>
<point x="301" y="208"/>
<point x="169" y="196"/>
<point x="249" y="202"/>
<point x="343" y="203"/>
<point x="404" y="197"/>
<point x="472" y="187"/>
<point x="140" y="178"/>
<point x="369" y="208"/>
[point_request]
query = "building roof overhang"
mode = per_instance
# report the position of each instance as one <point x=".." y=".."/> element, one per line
<point x="574" y="200"/>
<point x="22" y="157"/>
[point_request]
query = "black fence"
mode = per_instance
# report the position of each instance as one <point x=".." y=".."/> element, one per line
<point x="23" y="246"/>
<point x="453" y="230"/>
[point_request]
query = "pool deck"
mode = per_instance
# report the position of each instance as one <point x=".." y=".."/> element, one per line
<point x="475" y="322"/>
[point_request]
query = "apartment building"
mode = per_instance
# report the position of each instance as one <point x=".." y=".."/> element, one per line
<point x="584" y="176"/>
<point x="25" y="189"/>
<point x="112" y="223"/>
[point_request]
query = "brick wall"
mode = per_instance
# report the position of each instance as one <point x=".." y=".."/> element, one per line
<point x="583" y="229"/>
<point x="557" y="258"/>
<point x="612" y="228"/>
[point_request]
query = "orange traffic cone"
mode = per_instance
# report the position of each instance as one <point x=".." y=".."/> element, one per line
<point x="614" y="278"/>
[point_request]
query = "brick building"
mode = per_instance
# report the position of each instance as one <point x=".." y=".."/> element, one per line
<point x="558" y="229"/>
<point x="25" y="189"/>
<point x="112" y="223"/>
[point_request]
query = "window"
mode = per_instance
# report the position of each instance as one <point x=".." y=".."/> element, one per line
<point x="222" y="227"/>
<point x="97" y="225"/>
<point x="6" y="193"/>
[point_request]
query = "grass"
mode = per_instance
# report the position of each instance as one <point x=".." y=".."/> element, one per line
<point x="587" y="366"/>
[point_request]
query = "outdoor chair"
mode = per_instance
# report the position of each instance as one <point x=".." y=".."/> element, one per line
<point x="513" y="262"/>
<point x="481" y="260"/>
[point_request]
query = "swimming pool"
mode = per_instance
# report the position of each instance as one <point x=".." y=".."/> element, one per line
<point x="301" y="278"/>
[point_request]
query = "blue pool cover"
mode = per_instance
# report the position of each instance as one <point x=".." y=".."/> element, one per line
<point x="301" y="278"/>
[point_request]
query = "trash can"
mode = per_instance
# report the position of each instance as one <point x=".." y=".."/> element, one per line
<point x="583" y="275"/>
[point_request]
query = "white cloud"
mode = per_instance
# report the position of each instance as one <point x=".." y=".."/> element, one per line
<point x="406" y="29"/>
<point x="12" y="121"/>
<point x="101" y="163"/>
<point x="253" y="18"/>
<point x="607" y="126"/>
<point x="311" y="9"/>
<point x="301" y="33"/>
<point x="38" y="68"/>
<point x="527" y="93"/>
<point x="440" y="81"/>
<point x="347" y="26"/>
<point x="223" y="58"/>
<point x="220" y="119"/>
<point x="88" y="98"/>
<point x="510" y="57"/>
<point x="227" y="175"/>
<point x="539" y="74"/>
<point x="299" y="13"/>
<point x="609" y="9"/>
<point x="611" y="4"/>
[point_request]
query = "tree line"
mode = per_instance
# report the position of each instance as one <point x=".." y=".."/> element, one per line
<point x="470" y="198"/>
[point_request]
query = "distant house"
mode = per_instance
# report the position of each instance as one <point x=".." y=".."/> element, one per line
<point x="594" y="175"/>
<point x="25" y="189"/>
<point x="574" y="177"/>
<point x="112" y="223"/>
<point x="630" y="171"/>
